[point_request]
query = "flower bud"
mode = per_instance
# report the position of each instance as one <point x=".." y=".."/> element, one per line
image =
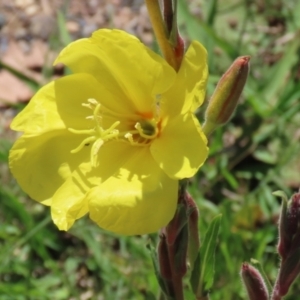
<point x="289" y="226"/>
<point x="163" y="258"/>
<point x="288" y="272"/>
<point x="179" y="220"/>
<point x="226" y="95"/>
<point x="285" y="238"/>
<point x="179" y="250"/>
<point x="174" y="37"/>
<point x="294" y="214"/>
<point x="194" y="240"/>
<point x="179" y="50"/>
<point x="289" y="246"/>
<point x="254" y="283"/>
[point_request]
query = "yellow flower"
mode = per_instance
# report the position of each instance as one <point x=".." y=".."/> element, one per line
<point x="113" y="138"/>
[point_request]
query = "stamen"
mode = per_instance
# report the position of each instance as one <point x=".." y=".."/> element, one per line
<point x="91" y="103"/>
<point x="113" y="126"/>
<point x="129" y="137"/>
<point x="83" y="143"/>
<point x="98" y="135"/>
<point x="81" y="131"/>
<point x="95" y="149"/>
<point x="145" y="128"/>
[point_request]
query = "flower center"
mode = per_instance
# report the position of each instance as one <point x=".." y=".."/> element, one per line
<point x="147" y="128"/>
<point x="140" y="134"/>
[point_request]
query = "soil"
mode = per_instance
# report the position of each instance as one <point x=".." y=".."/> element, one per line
<point x="30" y="35"/>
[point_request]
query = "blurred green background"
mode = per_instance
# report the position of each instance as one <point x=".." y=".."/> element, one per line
<point x="256" y="153"/>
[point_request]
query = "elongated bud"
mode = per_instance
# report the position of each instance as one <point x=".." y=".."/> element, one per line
<point x="285" y="238"/>
<point x="180" y="251"/>
<point x="163" y="258"/>
<point x="179" y="50"/>
<point x="288" y="272"/>
<point x="288" y="247"/>
<point x="226" y="95"/>
<point x="194" y="240"/>
<point x="179" y="220"/>
<point x="254" y="283"/>
<point x="174" y="37"/>
<point x="289" y="226"/>
<point x="294" y="214"/>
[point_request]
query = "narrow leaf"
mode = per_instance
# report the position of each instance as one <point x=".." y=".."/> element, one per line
<point x="205" y="261"/>
<point x="63" y="31"/>
<point x="280" y="71"/>
<point x="30" y="82"/>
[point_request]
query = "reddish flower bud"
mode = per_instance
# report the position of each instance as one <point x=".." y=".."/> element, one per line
<point x="163" y="258"/>
<point x="294" y="213"/>
<point x="289" y="226"/>
<point x="193" y="218"/>
<point x="289" y="246"/>
<point x="179" y="220"/>
<point x="179" y="49"/>
<point x="285" y="238"/>
<point x="254" y="283"/>
<point x="226" y="95"/>
<point x="179" y="250"/>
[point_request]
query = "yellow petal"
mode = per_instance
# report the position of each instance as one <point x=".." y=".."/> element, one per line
<point x="188" y="91"/>
<point x="42" y="163"/>
<point x="68" y="203"/>
<point x="111" y="157"/>
<point x="121" y="63"/>
<point x="138" y="199"/>
<point x="181" y="148"/>
<point x="59" y="105"/>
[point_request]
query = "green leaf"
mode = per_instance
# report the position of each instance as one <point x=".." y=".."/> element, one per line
<point x="30" y="82"/>
<point x="63" y="31"/>
<point x="211" y="12"/>
<point x="280" y="71"/>
<point x="203" y="272"/>
<point x="194" y="280"/>
<point x="199" y="30"/>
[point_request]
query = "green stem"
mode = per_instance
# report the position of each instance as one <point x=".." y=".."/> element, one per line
<point x="161" y="32"/>
<point x="208" y="128"/>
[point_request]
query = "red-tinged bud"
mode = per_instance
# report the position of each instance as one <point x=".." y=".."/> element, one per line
<point x="294" y="213"/>
<point x="226" y="95"/>
<point x="284" y="243"/>
<point x="289" y="246"/>
<point x="174" y="227"/>
<point x="289" y="226"/>
<point x="179" y="50"/>
<point x="179" y="220"/>
<point x="288" y="272"/>
<point x="174" y="38"/>
<point x="180" y="252"/>
<point x="254" y="283"/>
<point x="193" y="218"/>
<point x="163" y="258"/>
